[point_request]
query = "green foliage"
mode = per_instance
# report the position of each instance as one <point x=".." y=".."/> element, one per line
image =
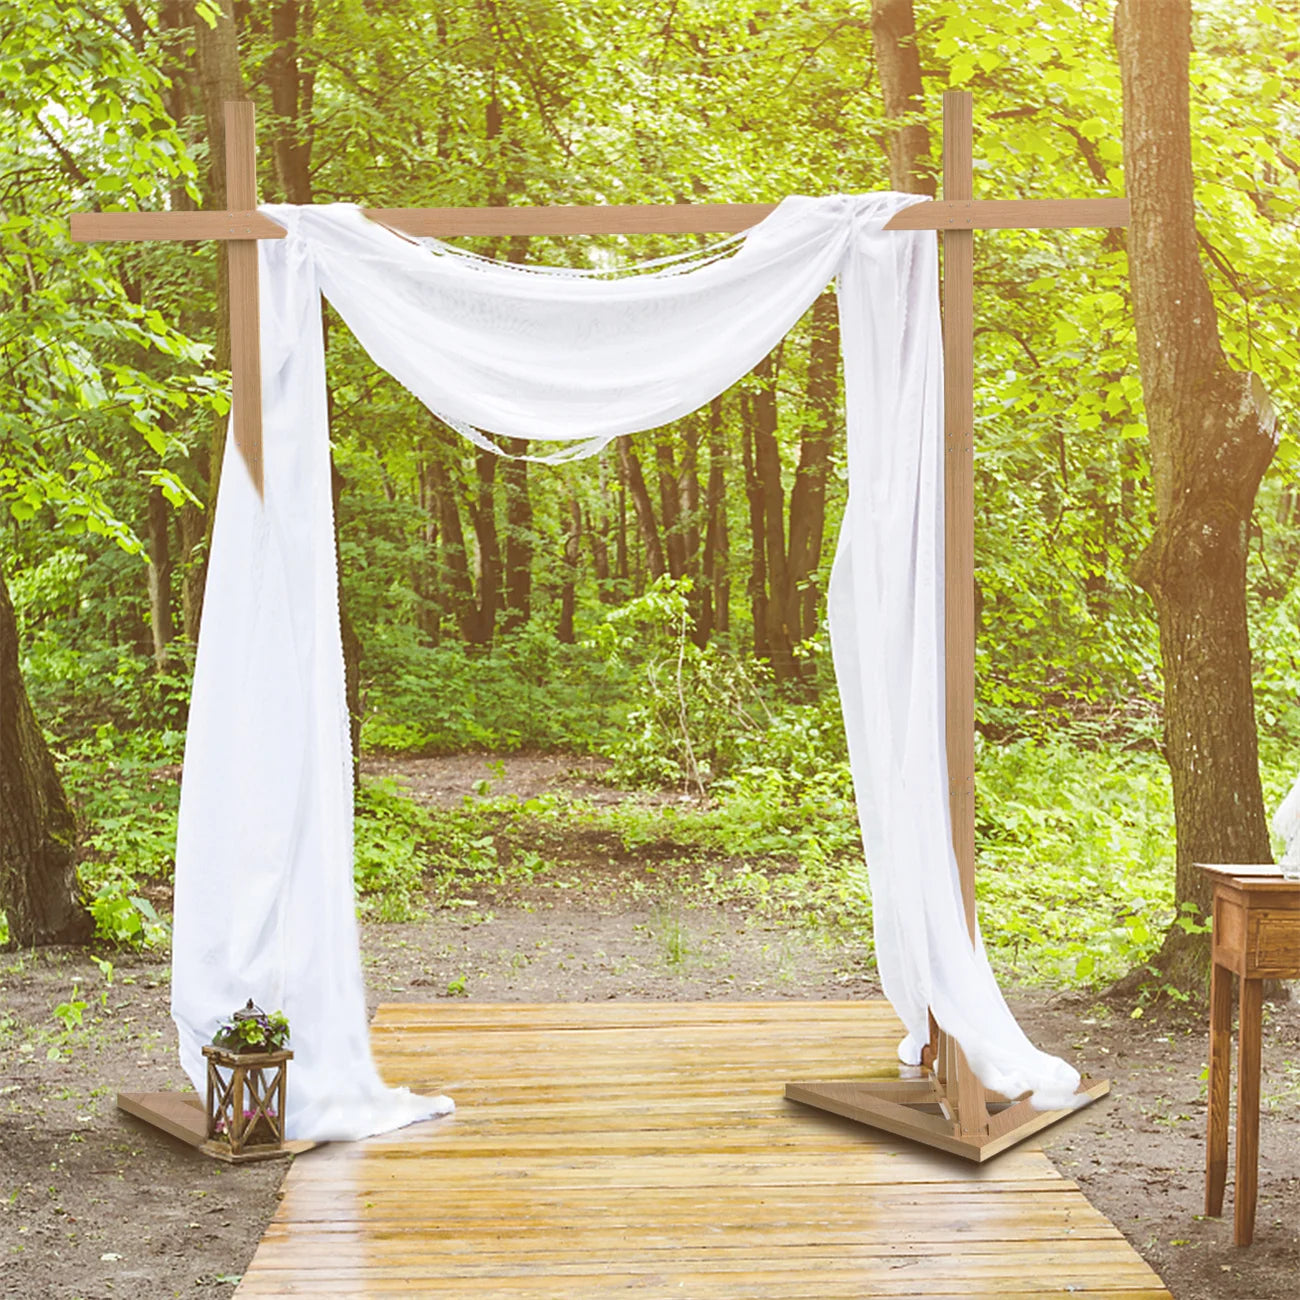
<point x="259" y="1032"/>
<point x="94" y="381"/>
<point x="1075" y="865"/>
<point x="106" y="394"/>
<point x="391" y="834"/>
<point x="690" y="708"/>
<point x="528" y="691"/>
<point x="69" y="1013"/>
<point x="124" y="788"/>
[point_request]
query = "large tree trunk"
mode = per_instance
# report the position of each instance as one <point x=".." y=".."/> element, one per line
<point x="1211" y="432"/>
<point x="175" y="37"/>
<point x="598" y="535"/>
<point x="898" y="63"/>
<point x="38" y="835"/>
<point x="688" y="496"/>
<point x="292" y="92"/>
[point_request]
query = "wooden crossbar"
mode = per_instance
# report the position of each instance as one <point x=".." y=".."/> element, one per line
<point x="602" y="219"/>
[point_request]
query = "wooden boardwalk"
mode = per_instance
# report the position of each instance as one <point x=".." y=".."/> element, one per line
<point x="603" y="1149"/>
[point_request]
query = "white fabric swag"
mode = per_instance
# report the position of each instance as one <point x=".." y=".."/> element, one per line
<point x="264" y="892"/>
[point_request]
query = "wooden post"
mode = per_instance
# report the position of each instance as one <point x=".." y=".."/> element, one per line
<point x="1216" y="1118"/>
<point x="245" y="343"/>
<point x="959" y="545"/>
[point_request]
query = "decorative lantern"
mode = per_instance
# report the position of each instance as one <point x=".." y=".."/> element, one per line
<point x="248" y="1065"/>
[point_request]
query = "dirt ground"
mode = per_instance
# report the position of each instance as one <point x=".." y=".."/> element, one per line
<point x="99" y="1207"/>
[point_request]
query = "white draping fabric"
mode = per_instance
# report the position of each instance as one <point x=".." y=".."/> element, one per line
<point x="576" y="359"/>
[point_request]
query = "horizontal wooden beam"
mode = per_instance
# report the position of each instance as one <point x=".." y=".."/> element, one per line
<point x="603" y="219"/>
<point x="1011" y="214"/>
<point x="92" y="227"/>
<point x="595" y="219"/>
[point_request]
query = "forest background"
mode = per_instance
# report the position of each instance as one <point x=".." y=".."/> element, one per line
<point x="660" y="605"/>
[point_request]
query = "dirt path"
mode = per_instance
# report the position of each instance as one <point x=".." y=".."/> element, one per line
<point x="98" y="1207"/>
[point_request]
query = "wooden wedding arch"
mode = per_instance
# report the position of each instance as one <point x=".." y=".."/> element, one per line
<point x="945" y="1105"/>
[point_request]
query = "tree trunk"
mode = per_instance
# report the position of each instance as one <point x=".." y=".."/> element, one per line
<point x="621" y="571"/>
<point x="767" y="469"/>
<point x="688" y="497"/>
<point x="598" y="535"/>
<point x="454" y="581"/>
<point x="572" y="552"/>
<point x="1211" y="432"/>
<point x="717" y="579"/>
<point x="38" y="835"/>
<point x="519" y="537"/>
<point x="670" y="504"/>
<point x="898" y="64"/>
<point x="292" y="91"/>
<point x="428" y="588"/>
<point x="808" y="496"/>
<point x="192" y="524"/>
<point x="160" y="576"/>
<point x="489" y="550"/>
<point x="175" y="37"/>
<point x="757" y="532"/>
<point x="641" y="503"/>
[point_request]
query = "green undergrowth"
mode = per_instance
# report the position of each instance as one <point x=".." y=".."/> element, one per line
<point x="1075" y="854"/>
<point x="1075" y="843"/>
<point x="528" y="691"/>
<point x="125" y="789"/>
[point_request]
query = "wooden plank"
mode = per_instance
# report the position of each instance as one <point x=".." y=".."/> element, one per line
<point x="1216" y="1120"/>
<point x="1249" y="1017"/>
<point x="178" y="1113"/>
<point x="601" y="219"/>
<point x="241" y="258"/>
<point x="94" y="227"/>
<point x="960" y="212"/>
<point x="683" y="1190"/>
<point x="959" y="492"/>
<point x="181" y="1115"/>
<point x="967" y="1096"/>
<point x="594" y="219"/>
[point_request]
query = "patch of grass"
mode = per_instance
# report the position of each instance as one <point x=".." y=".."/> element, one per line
<point x="1076" y="860"/>
<point x="1075" y="873"/>
<point x="675" y="940"/>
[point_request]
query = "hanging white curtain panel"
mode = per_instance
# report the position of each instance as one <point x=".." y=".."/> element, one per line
<point x="264" y="893"/>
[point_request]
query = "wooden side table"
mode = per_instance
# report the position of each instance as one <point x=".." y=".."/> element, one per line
<point x="1256" y="936"/>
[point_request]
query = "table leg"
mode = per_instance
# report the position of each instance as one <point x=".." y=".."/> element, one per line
<point x="1216" y="1138"/>
<point x="1248" y="1049"/>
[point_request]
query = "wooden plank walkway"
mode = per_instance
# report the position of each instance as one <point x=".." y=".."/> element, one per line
<point x="609" y="1148"/>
